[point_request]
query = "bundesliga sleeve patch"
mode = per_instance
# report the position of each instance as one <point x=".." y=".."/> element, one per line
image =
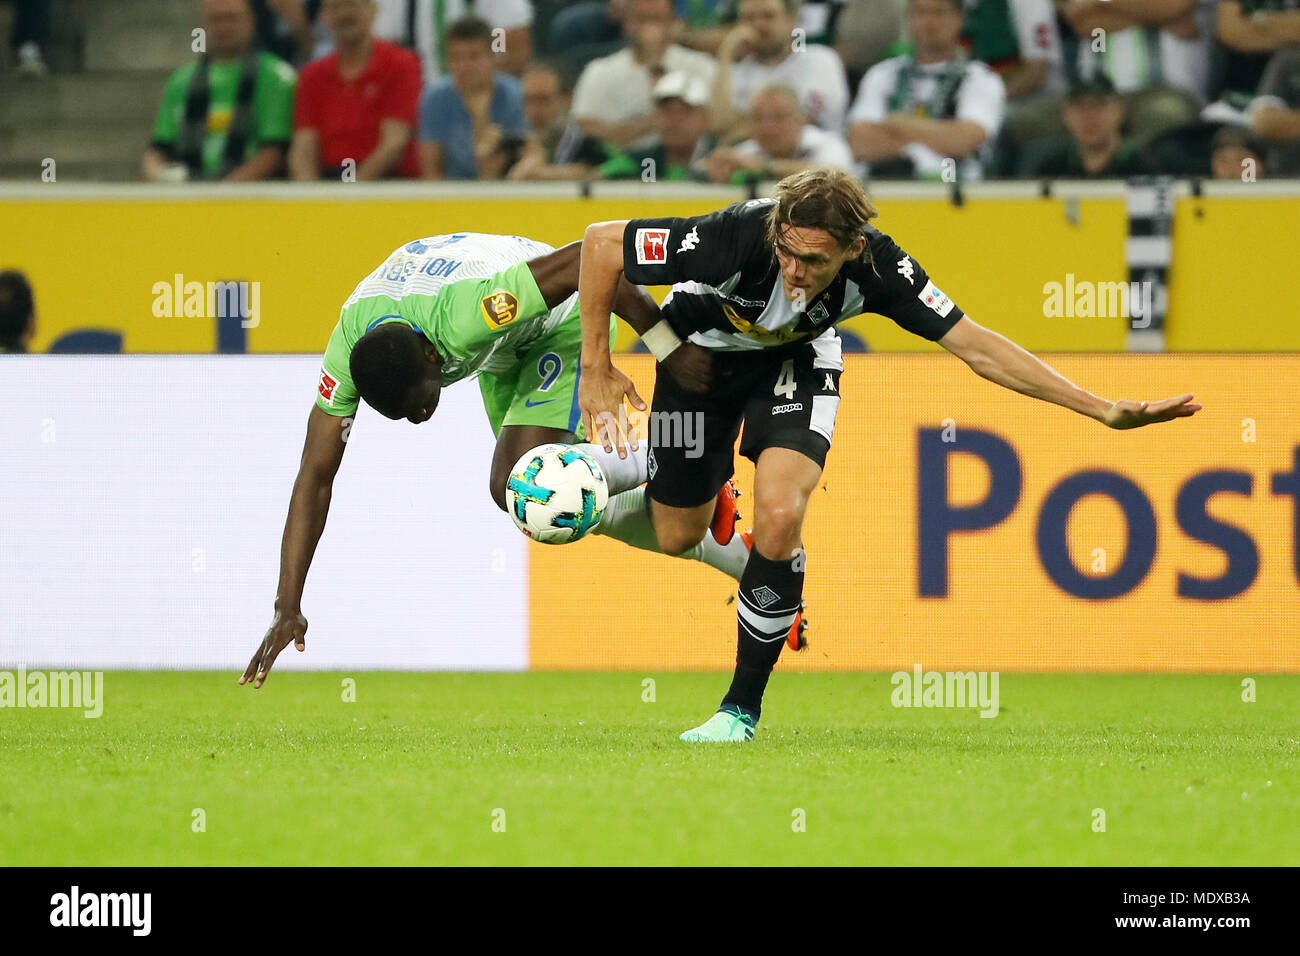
<point x="936" y="300"/>
<point x="327" y="386"/>
<point x="500" y="308"/>
<point x="651" y="247"/>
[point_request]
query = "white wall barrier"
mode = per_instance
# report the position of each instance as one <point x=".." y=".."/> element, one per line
<point x="142" y="500"/>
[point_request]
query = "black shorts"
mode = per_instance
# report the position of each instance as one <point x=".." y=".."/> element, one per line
<point x="787" y="397"/>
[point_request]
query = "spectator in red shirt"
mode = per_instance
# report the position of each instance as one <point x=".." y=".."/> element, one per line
<point x="355" y="110"/>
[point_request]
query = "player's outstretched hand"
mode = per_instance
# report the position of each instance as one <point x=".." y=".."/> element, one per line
<point x="1124" y="414"/>
<point x="285" y="628"/>
<point x="602" y="389"/>
<point x="692" y="366"/>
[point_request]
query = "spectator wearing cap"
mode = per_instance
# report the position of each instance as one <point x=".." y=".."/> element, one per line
<point x="1020" y="41"/>
<point x="761" y="49"/>
<point x="472" y="122"/>
<point x="556" y="147"/>
<point x="914" y="113"/>
<point x="681" y="141"/>
<point x="613" y="97"/>
<point x="228" y="116"/>
<point x="17" y="312"/>
<point x="1236" y="154"/>
<point x="356" y="107"/>
<point x="783" y="142"/>
<point x="1094" y="114"/>
<point x="1148" y="43"/>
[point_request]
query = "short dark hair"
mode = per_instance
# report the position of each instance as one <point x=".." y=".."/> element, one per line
<point x="1242" y="136"/>
<point x="16" y="307"/>
<point x="821" y="198"/>
<point x="1099" y="85"/>
<point x="561" y="70"/>
<point x="386" y="362"/>
<point x="470" y="28"/>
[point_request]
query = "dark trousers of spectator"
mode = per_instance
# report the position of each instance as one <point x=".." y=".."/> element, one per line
<point x="32" y="20"/>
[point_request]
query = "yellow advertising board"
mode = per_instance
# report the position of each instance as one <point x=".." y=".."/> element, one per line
<point x="126" y="267"/>
<point x="963" y="526"/>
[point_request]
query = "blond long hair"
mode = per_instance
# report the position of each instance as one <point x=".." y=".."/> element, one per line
<point x="822" y="198"/>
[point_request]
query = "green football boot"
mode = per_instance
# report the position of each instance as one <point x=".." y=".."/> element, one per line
<point x="730" y="724"/>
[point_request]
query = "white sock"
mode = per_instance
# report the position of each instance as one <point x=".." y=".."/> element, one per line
<point x="621" y="474"/>
<point x="729" y="558"/>
<point x="627" y="519"/>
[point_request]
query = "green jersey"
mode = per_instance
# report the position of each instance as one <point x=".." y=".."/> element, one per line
<point x="633" y="165"/>
<point x="471" y="295"/>
<point x="272" y="108"/>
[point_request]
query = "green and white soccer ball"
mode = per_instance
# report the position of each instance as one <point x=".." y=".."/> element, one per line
<point x="556" y="494"/>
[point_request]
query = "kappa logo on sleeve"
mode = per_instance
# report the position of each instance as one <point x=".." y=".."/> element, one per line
<point x="651" y="246"/>
<point x="327" y="386"/>
<point x="906" y="269"/>
<point x="690" y="241"/>
<point x="500" y="308"/>
<point x="935" y="299"/>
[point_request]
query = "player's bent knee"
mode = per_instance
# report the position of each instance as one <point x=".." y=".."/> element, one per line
<point x="677" y="540"/>
<point x="778" y="527"/>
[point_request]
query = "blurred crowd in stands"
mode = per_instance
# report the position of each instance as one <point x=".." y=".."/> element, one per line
<point x="728" y="91"/>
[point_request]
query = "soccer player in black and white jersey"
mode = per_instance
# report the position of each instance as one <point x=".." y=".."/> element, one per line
<point x="757" y="290"/>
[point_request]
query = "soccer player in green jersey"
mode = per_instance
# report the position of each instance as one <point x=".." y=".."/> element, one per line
<point x="440" y="310"/>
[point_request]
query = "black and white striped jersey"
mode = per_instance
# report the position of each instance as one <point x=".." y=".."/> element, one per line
<point x="727" y="291"/>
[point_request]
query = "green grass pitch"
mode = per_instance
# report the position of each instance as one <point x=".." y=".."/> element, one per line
<point x="581" y="770"/>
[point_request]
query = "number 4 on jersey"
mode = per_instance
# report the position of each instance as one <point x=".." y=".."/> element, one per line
<point x="785" y="384"/>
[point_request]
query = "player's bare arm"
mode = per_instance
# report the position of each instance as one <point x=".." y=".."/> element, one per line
<point x="998" y="359"/>
<point x="308" y="507"/>
<point x="557" y="276"/>
<point x="604" y="388"/>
